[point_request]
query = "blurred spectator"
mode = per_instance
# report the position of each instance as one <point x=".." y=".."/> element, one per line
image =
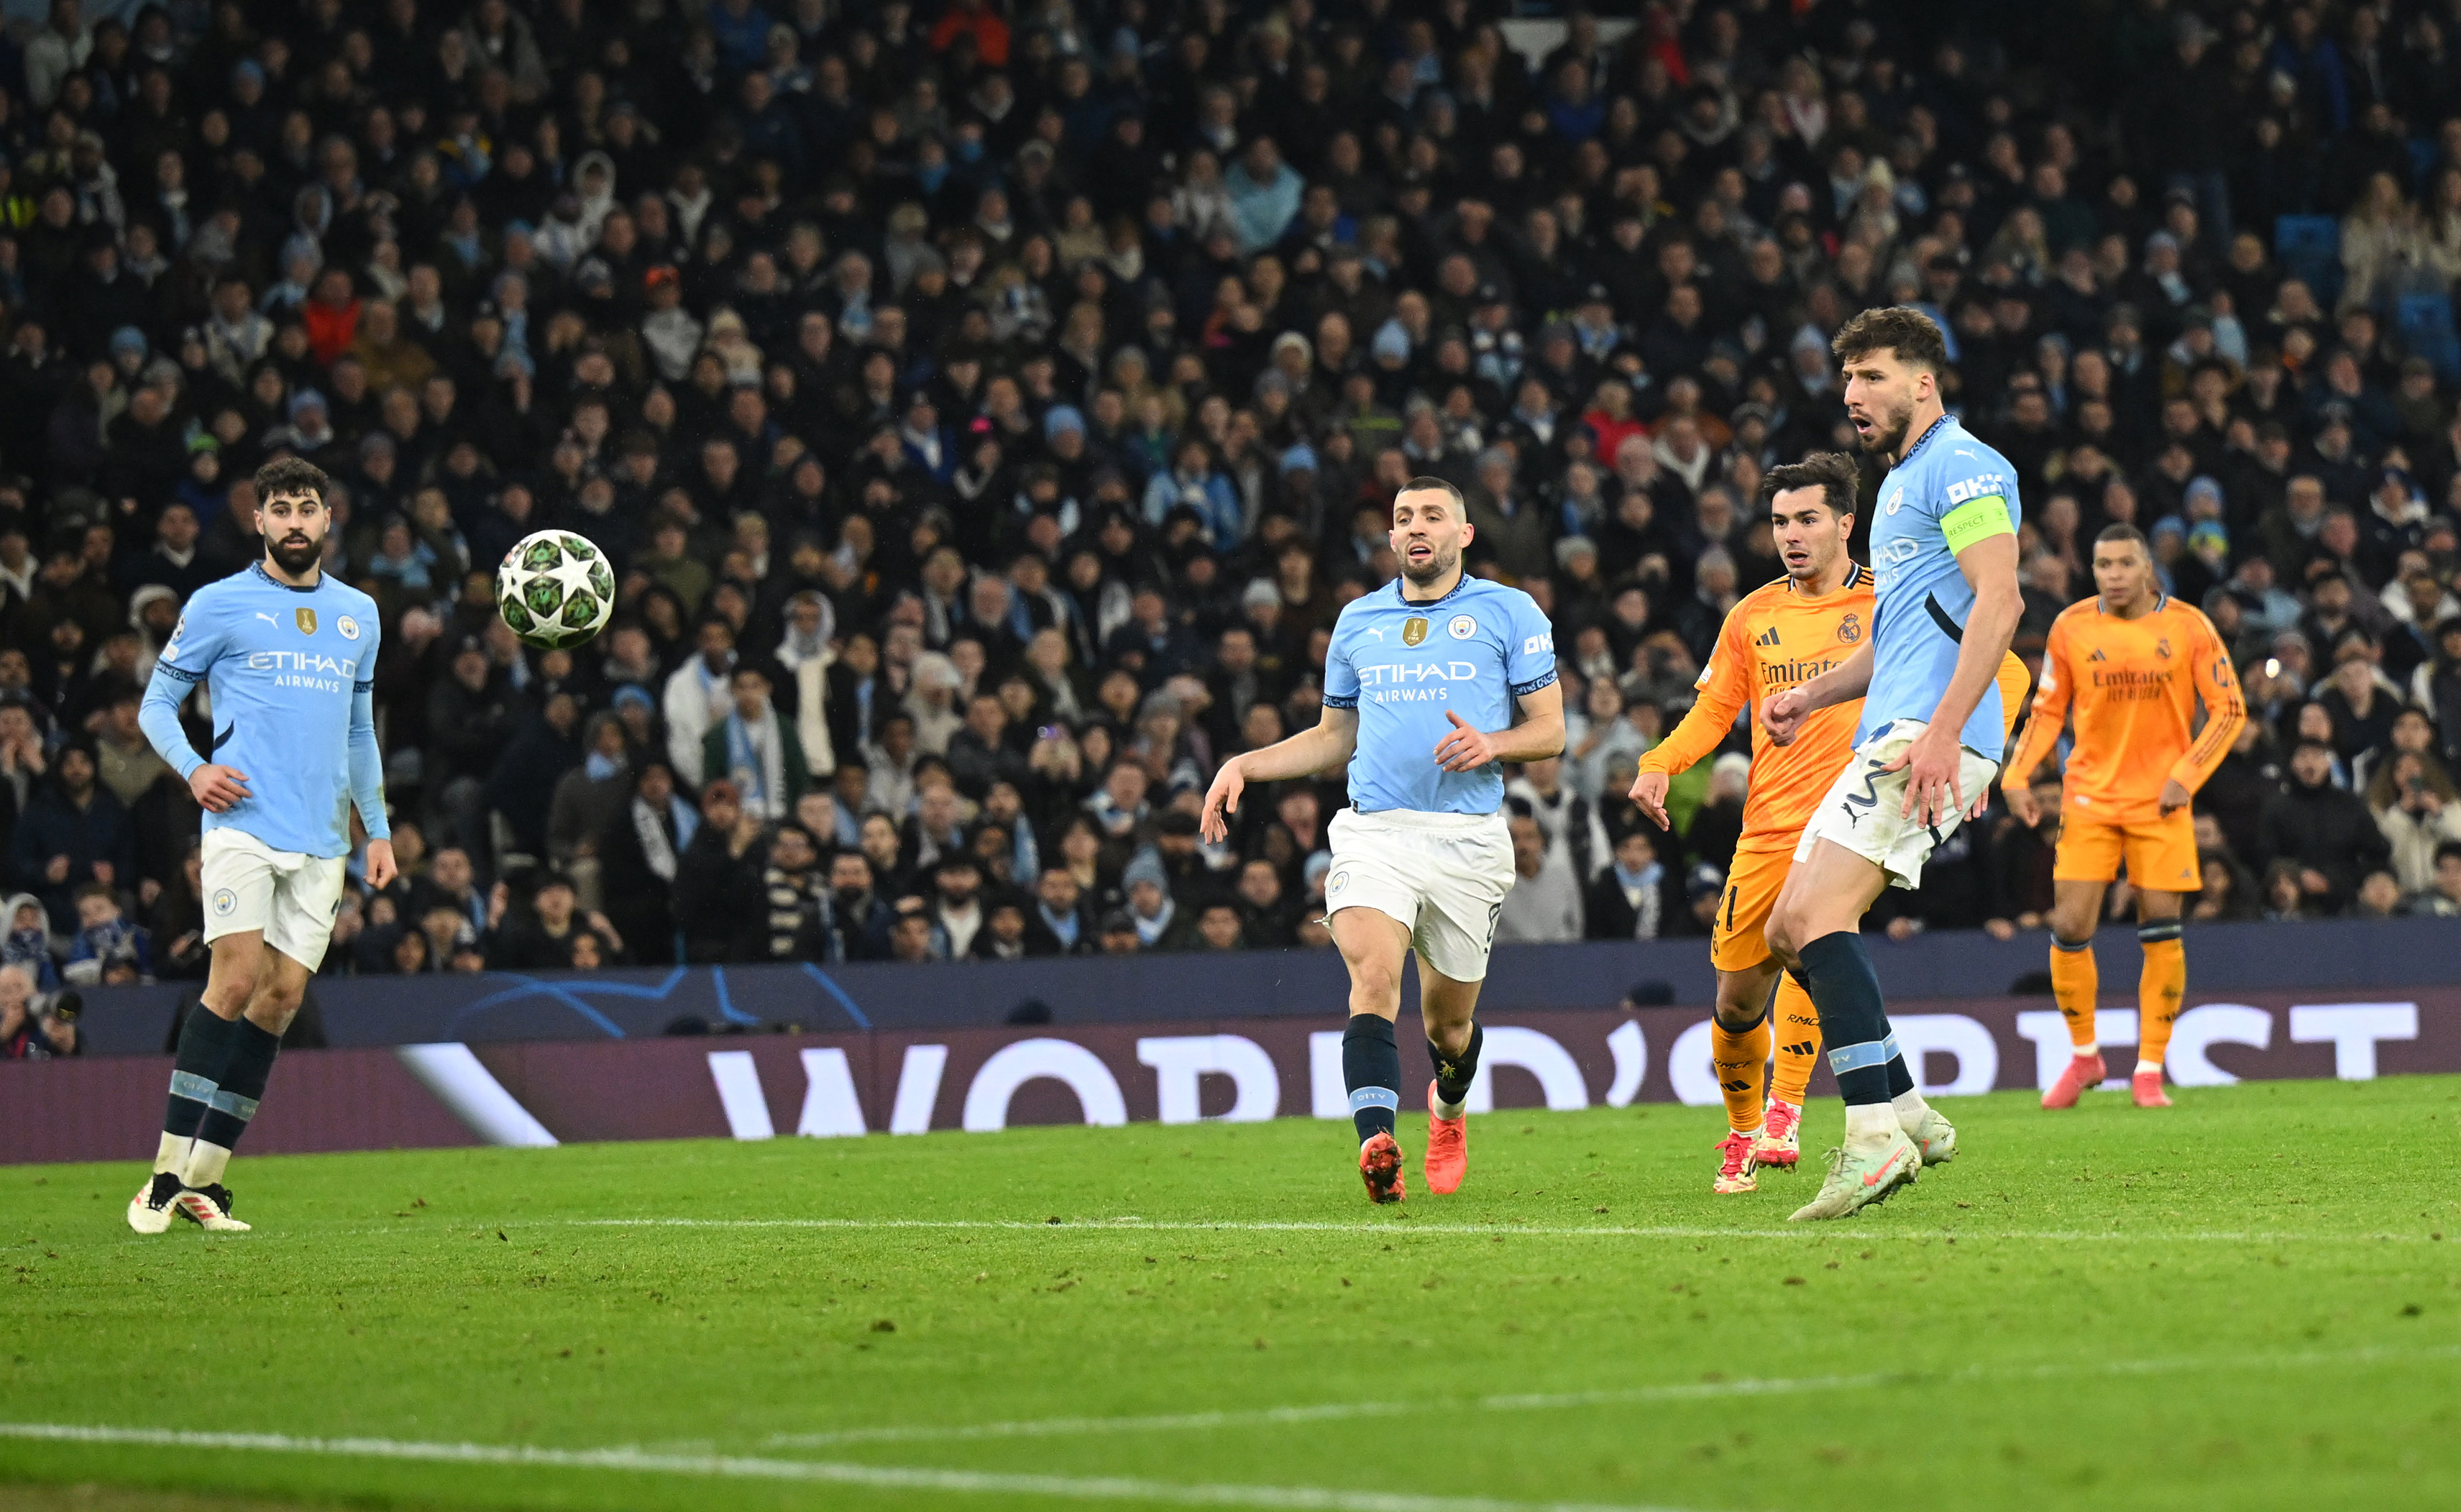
<point x="987" y="416"/>
<point x="1637" y="896"/>
<point x="2444" y="900"/>
<point x="1544" y="906"/>
<point x="107" y="950"/>
<point x="2323" y="834"/>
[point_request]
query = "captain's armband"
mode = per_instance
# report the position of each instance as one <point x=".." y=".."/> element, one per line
<point x="1977" y="520"/>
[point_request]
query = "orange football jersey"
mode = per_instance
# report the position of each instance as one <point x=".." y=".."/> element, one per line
<point x="1774" y="638"/>
<point x="2133" y="686"/>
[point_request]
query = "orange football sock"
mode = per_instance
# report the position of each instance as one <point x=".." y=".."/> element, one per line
<point x="2074" y="985"/>
<point x="2158" y="991"/>
<point x="1798" y="1040"/>
<point x="1739" y="1059"/>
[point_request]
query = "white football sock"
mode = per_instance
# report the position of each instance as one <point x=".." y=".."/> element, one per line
<point x="1437" y="1105"/>
<point x="2091" y="1048"/>
<point x="1910" y="1108"/>
<point x="207" y="1163"/>
<point x="172" y="1154"/>
<point x="1869" y="1125"/>
<point x="2144" y="1066"/>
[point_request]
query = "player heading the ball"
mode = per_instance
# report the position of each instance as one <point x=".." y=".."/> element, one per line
<point x="1422" y="682"/>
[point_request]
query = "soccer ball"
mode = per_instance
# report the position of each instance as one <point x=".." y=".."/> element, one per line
<point x="555" y="589"/>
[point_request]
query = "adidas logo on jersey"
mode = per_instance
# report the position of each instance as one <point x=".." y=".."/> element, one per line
<point x="2097" y="655"/>
<point x="1805" y="1048"/>
<point x="1766" y="637"/>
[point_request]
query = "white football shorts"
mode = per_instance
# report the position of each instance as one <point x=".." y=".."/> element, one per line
<point x="290" y="896"/>
<point x="1864" y="809"/>
<point x="1441" y="876"/>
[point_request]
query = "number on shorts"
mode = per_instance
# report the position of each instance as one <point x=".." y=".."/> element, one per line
<point x="1731" y="890"/>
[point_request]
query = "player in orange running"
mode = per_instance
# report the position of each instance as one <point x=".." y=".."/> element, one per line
<point x="2132" y="663"/>
<point x="1777" y="636"/>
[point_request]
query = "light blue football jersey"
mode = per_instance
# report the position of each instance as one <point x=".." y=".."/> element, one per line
<point x="291" y="672"/>
<point x="1922" y="599"/>
<point x="1402" y="665"/>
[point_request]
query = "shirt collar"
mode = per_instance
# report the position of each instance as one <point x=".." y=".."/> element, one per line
<point x="258" y="567"/>
<point x="1924" y="439"/>
<point x="1408" y="602"/>
<point x="1855" y="572"/>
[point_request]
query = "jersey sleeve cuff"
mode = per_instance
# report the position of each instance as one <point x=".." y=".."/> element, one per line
<point x="179" y="673"/>
<point x="1340" y="701"/>
<point x="1525" y="690"/>
<point x="363" y="685"/>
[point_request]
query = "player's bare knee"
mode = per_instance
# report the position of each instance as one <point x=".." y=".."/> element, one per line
<point x="274" y="1003"/>
<point x="1374" y="988"/>
<point x="1781" y="931"/>
<point x="1448" y="1027"/>
<point x="1736" y="1014"/>
<point x="272" y="1011"/>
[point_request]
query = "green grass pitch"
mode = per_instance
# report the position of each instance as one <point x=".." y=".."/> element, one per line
<point x="2250" y="1301"/>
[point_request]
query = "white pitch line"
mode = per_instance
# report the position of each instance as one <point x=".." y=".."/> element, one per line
<point x="1553" y="1402"/>
<point x="884" y="1478"/>
<point x="1406" y="1227"/>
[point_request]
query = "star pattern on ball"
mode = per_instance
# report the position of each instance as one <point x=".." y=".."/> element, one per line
<point x="570" y="575"/>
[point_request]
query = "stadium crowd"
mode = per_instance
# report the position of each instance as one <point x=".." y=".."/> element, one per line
<point x="991" y="403"/>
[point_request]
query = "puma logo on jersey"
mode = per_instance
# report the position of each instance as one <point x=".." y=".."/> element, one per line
<point x="267" y="618"/>
<point x="1766" y="637"/>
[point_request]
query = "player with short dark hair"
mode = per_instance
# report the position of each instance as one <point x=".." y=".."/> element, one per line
<point x="288" y="655"/>
<point x="2132" y="663"/>
<point x="1932" y="731"/>
<point x="1803" y="625"/>
<point x="1423" y="856"/>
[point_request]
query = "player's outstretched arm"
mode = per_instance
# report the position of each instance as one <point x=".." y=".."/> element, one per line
<point x="1725" y="689"/>
<point x="1326" y="748"/>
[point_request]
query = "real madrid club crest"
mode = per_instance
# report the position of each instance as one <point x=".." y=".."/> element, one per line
<point x="1414" y="630"/>
<point x="307" y="621"/>
<point x="1463" y="628"/>
<point x="2162" y="647"/>
<point x="1849" y="630"/>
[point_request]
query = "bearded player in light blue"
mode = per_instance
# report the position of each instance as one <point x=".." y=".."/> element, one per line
<point x="1422" y="683"/>
<point x="288" y="656"/>
<point x="1944" y="571"/>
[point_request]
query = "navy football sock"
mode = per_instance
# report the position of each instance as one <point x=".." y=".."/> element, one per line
<point x="1455" y="1073"/>
<point x="204" y="1044"/>
<point x="1370" y="1068"/>
<point x="245" y="1071"/>
<point x="1847" y="993"/>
